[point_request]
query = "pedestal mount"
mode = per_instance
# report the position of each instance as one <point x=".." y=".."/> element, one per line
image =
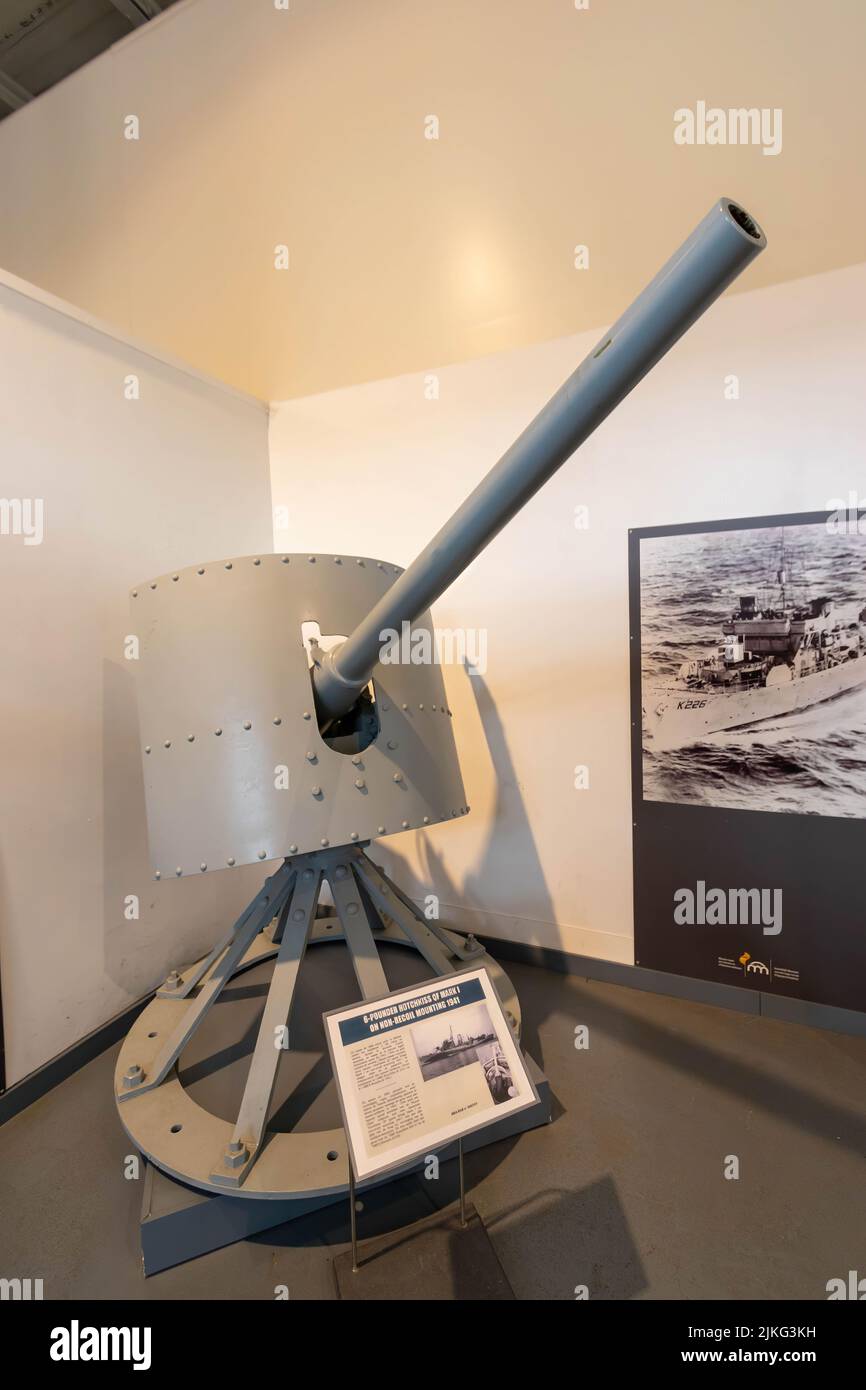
<point x="247" y="1158"/>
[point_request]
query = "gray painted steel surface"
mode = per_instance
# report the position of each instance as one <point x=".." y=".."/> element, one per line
<point x="225" y="700"/>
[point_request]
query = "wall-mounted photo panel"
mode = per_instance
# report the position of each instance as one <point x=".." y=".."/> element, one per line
<point x="748" y="643"/>
<point x="419" y="1068"/>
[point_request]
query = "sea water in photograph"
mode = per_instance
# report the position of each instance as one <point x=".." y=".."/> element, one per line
<point x="753" y="668"/>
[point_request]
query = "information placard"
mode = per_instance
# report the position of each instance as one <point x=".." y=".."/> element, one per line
<point x="421" y="1067"/>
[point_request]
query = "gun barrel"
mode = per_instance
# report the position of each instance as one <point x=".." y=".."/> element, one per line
<point x="719" y="248"/>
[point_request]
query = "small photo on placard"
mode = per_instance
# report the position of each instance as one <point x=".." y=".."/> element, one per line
<point x="419" y="1068"/>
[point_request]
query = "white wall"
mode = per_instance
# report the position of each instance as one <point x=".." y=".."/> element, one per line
<point x="376" y="469"/>
<point x="130" y="489"/>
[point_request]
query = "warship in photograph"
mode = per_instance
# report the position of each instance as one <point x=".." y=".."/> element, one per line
<point x="775" y="659"/>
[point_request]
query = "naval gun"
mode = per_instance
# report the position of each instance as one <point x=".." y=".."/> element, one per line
<point x="262" y="742"/>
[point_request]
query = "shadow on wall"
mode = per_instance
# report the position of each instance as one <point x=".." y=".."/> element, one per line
<point x="508" y="826"/>
<point x="509" y="838"/>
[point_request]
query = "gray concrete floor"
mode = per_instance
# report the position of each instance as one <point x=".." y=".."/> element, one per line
<point x="623" y="1192"/>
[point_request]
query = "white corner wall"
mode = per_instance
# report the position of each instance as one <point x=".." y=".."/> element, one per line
<point x="130" y="488"/>
<point x="377" y="469"/>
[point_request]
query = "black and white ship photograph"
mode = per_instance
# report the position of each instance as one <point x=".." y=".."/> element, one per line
<point x="753" y="667"/>
<point x="448" y="1042"/>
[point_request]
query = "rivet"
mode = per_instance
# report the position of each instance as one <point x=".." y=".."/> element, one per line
<point x="353" y="835"/>
<point x="380" y="565"/>
<point x="392" y="743"/>
<point x="306" y="714"/>
<point x="257" y="562"/>
<point x="167" y="743"/>
<point x="360" y="783"/>
<point x="228" y="564"/>
<point x="311" y="757"/>
<point x="338" y="559"/>
<point x="308" y="874"/>
<point x="359" y="562"/>
<point x="324" y="843"/>
<point x="316" y="790"/>
<point x="217" y="732"/>
<point x="175" y="578"/>
<point x="203" y="867"/>
<point x="341" y="871"/>
<point x="178" y="871"/>
<point x="293" y="849"/>
<point x="190" y="738"/>
<point x="135" y="593"/>
<point x="201" y="571"/>
<point x="312" y="559"/>
<point x="405" y="825"/>
<point x="433" y="707"/>
<point x="385" y="708"/>
<point x="153" y="586"/>
<point x="426" y="820"/>
<point x="299" y="914"/>
<point x="420" y="706"/>
<point x="277" y="719"/>
<point x="263" y="854"/>
<point x="285" y="559"/>
<point x="352" y="909"/>
<point x="147" y="748"/>
<point x="157" y="874"/>
<point x="398" y="777"/>
<point x="380" y="830"/>
<point x="247" y="724"/>
<point x="357" y="760"/>
<point x="231" y="862"/>
<point x="404" y="706"/>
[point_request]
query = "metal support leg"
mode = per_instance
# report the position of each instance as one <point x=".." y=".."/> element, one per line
<point x="268" y="903"/>
<point x="245" y="1144"/>
<point x="184" y="986"/>
<point x="356" y="929"/>
<point x="452" y="943"/>
<point x="407" y="918"/>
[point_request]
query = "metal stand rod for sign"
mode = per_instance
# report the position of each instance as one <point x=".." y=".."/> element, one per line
<point x="353" y="1217"/>
<point x="462" y="1182"/>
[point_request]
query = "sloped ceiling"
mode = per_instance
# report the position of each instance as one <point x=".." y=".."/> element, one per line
<point x="262" y="127"/>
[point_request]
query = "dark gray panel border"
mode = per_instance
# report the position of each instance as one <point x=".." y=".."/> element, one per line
<point x="723" y="996"/>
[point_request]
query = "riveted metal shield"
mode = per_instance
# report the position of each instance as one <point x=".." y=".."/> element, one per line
<point x="235" y="770"/>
